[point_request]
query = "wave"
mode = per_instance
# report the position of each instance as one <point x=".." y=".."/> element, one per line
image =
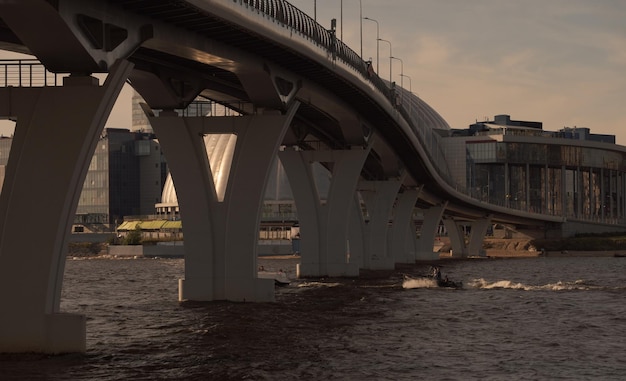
<point x="558" y="286"/>
<point x="318" y="284"/>
<point x="410" y="283"/>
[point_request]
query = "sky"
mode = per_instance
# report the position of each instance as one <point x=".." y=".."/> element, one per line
<point x="560" y="62"/>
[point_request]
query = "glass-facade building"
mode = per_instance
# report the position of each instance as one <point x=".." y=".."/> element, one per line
<point x="570" y="173"/>
<point x="125" y="178"/>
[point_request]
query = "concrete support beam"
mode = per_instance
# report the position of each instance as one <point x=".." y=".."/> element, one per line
<point x="456" y="234"/>
<point x="356" y="235"/>
<point x="402" y="245"/>
<point x="477" y="236"/>
<point x="379" y="198"/>
<point x="55" y="137"/>
<point x="221" y="230"/>
<point x="426" y="242"/>
<point x="324" y="225"/>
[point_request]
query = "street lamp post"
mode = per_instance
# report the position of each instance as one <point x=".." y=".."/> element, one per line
<point x="401" y="70"/>
<point x="377" y="45"/>
<point x="341" y="21"/>
<point x="406" y="76"/>
<point x="361" y="22"/>
<point x="410" y="92"/>
<point x="390" y="58"/>
<point x="401" y="78"/>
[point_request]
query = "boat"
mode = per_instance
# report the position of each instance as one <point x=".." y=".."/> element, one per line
<point x="449" y="283"/>
<point x="435" y="274"/>
<point x="280" y="277"/>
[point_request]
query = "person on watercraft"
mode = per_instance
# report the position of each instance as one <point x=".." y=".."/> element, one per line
<point x="437" y="273"/>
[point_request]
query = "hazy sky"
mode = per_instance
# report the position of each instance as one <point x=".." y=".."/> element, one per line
<point x="560" y="62"/>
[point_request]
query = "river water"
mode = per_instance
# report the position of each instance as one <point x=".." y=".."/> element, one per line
<point x="515" y="319"/>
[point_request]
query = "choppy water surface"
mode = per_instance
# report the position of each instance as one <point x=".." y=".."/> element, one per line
<point x="515" y="319"/>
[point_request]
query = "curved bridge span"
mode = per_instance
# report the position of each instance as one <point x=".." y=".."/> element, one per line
<point x="301" y="94"/>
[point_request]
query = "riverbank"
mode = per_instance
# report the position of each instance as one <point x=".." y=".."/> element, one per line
<point x="522" y="248"/>
<point x="553" y="254"/>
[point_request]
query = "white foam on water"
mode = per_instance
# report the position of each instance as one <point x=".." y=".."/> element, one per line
<point x="410" y="283"/>
<point x="507" y="284"/>
<point x="318" y="284"/>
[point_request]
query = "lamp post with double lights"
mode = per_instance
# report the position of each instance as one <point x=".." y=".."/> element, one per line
<point x="406" y="76"/>
<point x="377" y="44"/>
<point x="401" y="69"/>
<point x="341" y="20"/>
<point x="401" y="78"/>
<point x="410" y="93"/>
<point x="390" y="58"/>
<point x="361" y="24"/>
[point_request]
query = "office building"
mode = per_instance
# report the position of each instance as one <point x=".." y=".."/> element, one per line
<point x="571" y="172"/>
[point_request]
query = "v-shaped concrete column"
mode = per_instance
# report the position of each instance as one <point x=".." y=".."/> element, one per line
<point x="473" y="247"/>
<point x="55" y="137"/>
<point x="456" y="234"/>
<point x="403" y="240"/>
<point x="324" y="225"/>
<point x="477" y="236"/>
<point x="379" y="198"/>
<point x="221" y="233"/>
<point x="356" y="234"/>
<point x="426" y="242"/>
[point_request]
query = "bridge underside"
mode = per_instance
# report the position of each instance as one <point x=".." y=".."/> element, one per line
<point x="311" y="113"/>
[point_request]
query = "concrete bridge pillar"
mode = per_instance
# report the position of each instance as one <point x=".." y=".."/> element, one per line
<point x="324" y="225"/>
<point x="221" y="225"/>
<point x="356" y="234"/>
<point x="461" y="247"/>
<point x="402" y="244"/>
<point x="478" y="231"/>
<point x="426" y="242"/>
<point x="55" y="137"/>
<point x="456" y="233"/>
<point x="379" y="198"/>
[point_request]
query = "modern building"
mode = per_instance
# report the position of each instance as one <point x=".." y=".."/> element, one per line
<point x="571" y="172"/>
<point x="125" y="178"/>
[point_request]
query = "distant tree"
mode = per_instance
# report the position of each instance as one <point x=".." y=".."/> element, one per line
<point x="133" y="237"/>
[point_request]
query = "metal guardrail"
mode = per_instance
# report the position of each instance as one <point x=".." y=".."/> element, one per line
<point x="290" y="16"/>
<point x="300" y="22"/>
<point x="27" y="73"/>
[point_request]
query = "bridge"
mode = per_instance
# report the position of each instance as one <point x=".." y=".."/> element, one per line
<point x="301" y="94"/>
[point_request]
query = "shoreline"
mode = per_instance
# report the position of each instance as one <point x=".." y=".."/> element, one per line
<point x="553" y="254"/>
<point x="490" y="254"/>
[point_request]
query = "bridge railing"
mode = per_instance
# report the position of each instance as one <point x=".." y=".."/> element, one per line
<point x="27" y="73"/>
<point x="287" y="14"/>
